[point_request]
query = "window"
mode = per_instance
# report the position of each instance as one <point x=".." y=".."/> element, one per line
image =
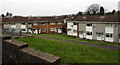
<point x="99" y="34"/>
<point x="109" y="35"/>
<point x="13" y="24"/>
<point x="89" y="24"/>
<point x="81" y="32"/>
<point x="109" y="25"/>
<point x="43" y="23"/>
<point x="43" y="29"/>
<point x="29" y="23"/>
<point x="74" y="23"/>
<point x="89" y="33"/>
<point x="35" y="23"/>
<point x="52" y="23"/>
<point x="119" y="35"/>
<point x="74" y="30"/>
<point x="22" y="23"/>
<point x="52" y="29"/>
<point x="23" y="30"/>
<point x="71" y="25"/>
<point x="59" y="23"/>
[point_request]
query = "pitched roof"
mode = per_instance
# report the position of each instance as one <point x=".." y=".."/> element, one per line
<point x="32" y="19"/>
<point x="96" y="18"/>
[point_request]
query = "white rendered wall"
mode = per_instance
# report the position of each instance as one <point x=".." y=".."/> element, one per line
<point x="89" y="28"/>
<point x="59" y="30"/>
<point x="88" y="36"/>
<point x="109" y="30"/>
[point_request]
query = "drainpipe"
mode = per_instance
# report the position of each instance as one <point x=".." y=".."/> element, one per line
<point x="47" y="27"/>
<point x="77" y="30"/>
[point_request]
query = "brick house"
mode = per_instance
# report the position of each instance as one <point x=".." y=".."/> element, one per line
<point x="48" y="25"/>
<point x="33" y="24"/>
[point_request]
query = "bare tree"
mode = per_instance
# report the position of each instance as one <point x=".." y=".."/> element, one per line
<point x="93" y="9"/>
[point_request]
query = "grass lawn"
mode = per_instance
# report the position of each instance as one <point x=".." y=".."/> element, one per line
<point x="48" y="34"/>
<point x="76" y="39"/>
<point x="70" y="52"/>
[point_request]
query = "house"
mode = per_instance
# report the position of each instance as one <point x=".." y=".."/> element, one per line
<point x="35" y="25"/>
<point x="96" y="27"/>
<point x="17" y="24"/>
<point x="0" y="26"/>
<point x="48" y="25"/>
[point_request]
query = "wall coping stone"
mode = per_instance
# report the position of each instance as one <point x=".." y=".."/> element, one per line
<point x="42" y="55"/>
<point x="20" y="45"/>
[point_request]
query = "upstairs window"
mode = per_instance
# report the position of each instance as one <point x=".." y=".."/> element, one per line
<point x="29" y="23"/>
<point x="23" y="30"/>
<point x="119" y="35"/>
<point x="59" y="23"/>
<point x="52" y="29"/>
<point x="109" y="35"/>
<point x="12" y="23"/>
<point x="89" y="24"/>
<point x="81" y="32"/>
<point x="22" y="23"/>
<point x="74" y="23"/>
<point x="89" y="33"/>
<point x="35" y="23"/>
<point x="43" y="23"/>
<point x="52" y="23"/>
<point x="109" y="25"/>
<point x="43" y="29"/>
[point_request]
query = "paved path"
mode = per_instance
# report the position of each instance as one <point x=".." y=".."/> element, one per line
<point x="84" y="43"/>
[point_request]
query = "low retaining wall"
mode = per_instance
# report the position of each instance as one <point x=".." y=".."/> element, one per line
<point x="19" y="53"/>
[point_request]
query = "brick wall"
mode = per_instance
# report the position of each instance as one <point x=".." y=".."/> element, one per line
<point x="47" y="26"/>
<point x="18" y="52"/>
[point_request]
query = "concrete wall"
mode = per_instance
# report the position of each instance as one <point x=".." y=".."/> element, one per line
<point x="82" y="27"/>
<point x="17" y="52"/>
<point x="99" y="28"/>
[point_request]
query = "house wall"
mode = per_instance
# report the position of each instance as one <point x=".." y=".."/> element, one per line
<point x="17" y="27"/>
<point x="119" y="32"/>
<point x="72" y="29"/>
<point x="82" y="27"/>
<point x="110" y="30"/>
<point x="99" y="31"/>
<point x="47" y="26"/>
<point x="89" y="29"/>
<point x="69" y="32"/>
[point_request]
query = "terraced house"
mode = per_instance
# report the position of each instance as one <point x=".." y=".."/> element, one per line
<point x="96" y="27"/>
<point x="35" y="25"/>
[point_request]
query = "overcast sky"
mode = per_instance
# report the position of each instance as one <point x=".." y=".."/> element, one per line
<point x="52" y="7"/>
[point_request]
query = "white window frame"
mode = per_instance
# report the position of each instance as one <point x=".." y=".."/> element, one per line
<point x="35" y="23"/>
<point x="109" y="35"/>
<point x="52" y="23"/>
<point x="52" y="29"/>
<point x="59" y="23"/>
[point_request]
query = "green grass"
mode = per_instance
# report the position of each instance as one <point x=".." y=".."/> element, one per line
<point x="79" y="40"/>
<point x="47" y="34"/>
<point x="70" y="52"/>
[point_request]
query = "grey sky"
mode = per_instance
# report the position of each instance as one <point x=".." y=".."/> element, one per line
<point x="52" y="7"/>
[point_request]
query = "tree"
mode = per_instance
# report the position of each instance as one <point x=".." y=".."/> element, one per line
<point x="7" y="14"/>
<point x="102" y="11"/>
<point x="10" y="14"/>
<point x="79" y="13"/>
<point x="65" y="16"/>
<point x="118" y="12"/>
<point x="88" y="13"/>
<point x="113" y="12"/>
<point x="108" y="13"/>
<point x="93" y="9"/>
<point x="3" y="15"/>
